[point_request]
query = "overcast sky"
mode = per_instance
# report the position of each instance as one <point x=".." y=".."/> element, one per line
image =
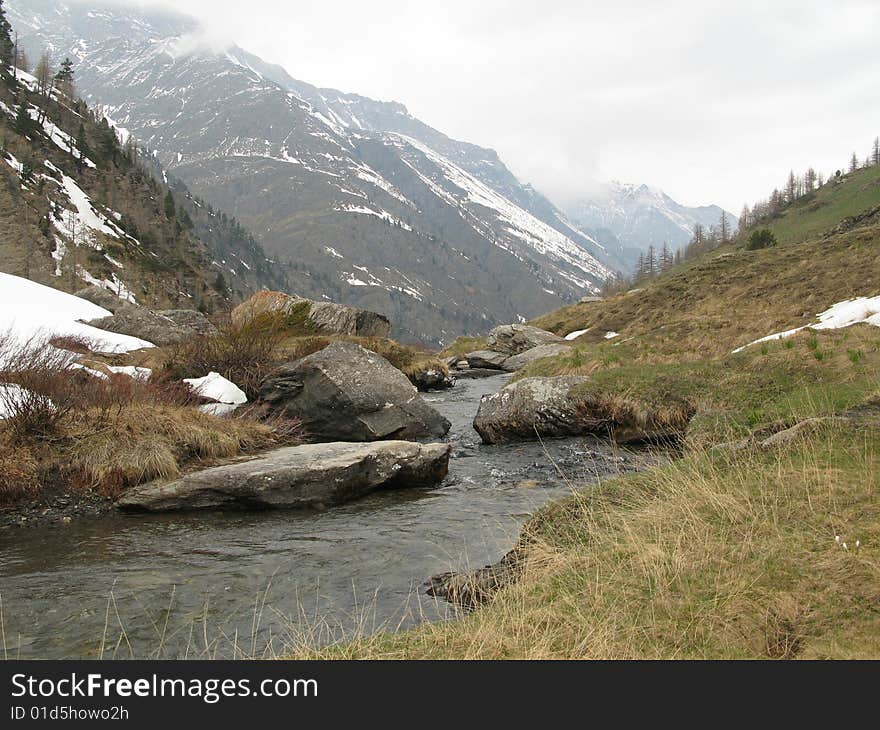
<point x="711" y="101"/>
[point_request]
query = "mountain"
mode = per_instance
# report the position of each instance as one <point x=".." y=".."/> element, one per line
<point x="79" y="207"/>
<point x="628" y="219"/>
<point x="354" y="200"/>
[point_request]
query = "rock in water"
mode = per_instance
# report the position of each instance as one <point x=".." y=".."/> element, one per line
<point x="347" y="393"/>
<point x="562" y="406"/>
<point x="530" y="408"/>
<point x="432" y="378"/>
<point x="486" y="359"/>
<point x="513" y="339"/>
<point x="518" y="362"/>
<point x="324" y="317"/>
<point x="311" y="476"/>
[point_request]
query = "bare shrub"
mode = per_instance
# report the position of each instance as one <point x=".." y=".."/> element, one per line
<point x="244" y="350"/>
<point x="38" y="389"/>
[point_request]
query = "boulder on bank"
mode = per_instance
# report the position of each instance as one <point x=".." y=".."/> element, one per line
<point x="189" y="319"/>
<point x="162" y="328"/>
<point x="530" y="408"/>
<point x="347" y="393"/>
<point x="103" y="298"/>
<point x="518" y="362"/>
<point x="312" y="476"/>
<point x="323" y="317"/>
<point x="561" y="406"/>
<point x="513" y="339"/>
<point x="432" y="378"/>
<point x="146" y="324"/>
<point x="486" y="359"/>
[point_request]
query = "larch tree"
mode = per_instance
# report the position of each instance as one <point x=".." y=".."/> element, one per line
<point x="43" y="74"/>
<point x="810" y="180"/>
<point x="22" y="62"/>
<point x="724" y="227"/>
<point x="791" y="188"/>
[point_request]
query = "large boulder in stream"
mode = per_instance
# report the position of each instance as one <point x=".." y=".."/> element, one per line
<point x="347" y="393"/>
<point x="513" y="339"/>
<point x="565" y="406"/>
<point x="311" y="476"/>
<point x="530" y="408"/>
<point x="486" y="359"/>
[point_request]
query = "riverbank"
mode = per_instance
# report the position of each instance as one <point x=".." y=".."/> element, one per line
<point x="760" y="542"/>
<point x="738" y="555"/>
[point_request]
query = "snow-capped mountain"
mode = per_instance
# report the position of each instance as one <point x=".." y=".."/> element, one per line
<point x="356" y="200"/>
<point x="638" y="216"/>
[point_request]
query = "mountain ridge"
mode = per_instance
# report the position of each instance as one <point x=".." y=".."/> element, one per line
<point x="356" y="200"/>
<point x="637" y="216"/>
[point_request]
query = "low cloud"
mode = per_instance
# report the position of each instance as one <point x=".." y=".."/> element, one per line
<point x="713" y="101"/>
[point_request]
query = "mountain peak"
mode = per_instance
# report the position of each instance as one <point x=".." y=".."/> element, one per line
<point x="434" y="232"/>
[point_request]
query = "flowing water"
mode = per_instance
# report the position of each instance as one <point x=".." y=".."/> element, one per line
<point x="224" y="584"/>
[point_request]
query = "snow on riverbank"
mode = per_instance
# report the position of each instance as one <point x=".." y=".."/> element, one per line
<point x="31" y="311"/>
<point x="215" y="387"/>
<point x="864" y="310"/>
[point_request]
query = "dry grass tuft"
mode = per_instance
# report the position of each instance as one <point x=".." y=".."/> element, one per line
<point x="19" y="473"/>
<point x="67" y="429"/>
<point x="153" y="441"/>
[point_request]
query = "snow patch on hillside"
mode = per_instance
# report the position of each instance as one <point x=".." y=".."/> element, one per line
<point x="32" y="312"/>
<point x="864" y="310"/>
<point x="521" y="224"/>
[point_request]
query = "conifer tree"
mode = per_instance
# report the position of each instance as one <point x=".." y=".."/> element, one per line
<point x="64" y="78"/>
<point x="853" y="163"/>
<point x="876" y="152"/>
<point x="23" y="123"/>
<point x="7" y="46"/>
<point x="791" y="188"/>
<point x="170" y="209"/>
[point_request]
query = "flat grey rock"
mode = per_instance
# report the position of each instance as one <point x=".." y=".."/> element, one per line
<point x="311" y="476"/>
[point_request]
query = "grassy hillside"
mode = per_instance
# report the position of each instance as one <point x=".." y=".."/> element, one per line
<point x="761" y="540"/>
<point x="714" y="304"/>
<point x="815" y="214"/>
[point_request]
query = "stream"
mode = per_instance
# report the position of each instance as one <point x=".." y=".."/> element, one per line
<point x="252" y="584"/>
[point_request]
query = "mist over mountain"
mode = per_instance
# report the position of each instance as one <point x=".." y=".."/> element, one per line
<point x="353" y="199"/>
<point x="630" y="218"/>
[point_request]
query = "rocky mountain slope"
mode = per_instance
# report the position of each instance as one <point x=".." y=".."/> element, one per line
<point x="79" y="207"/>
<point x="355" y="200"/>
<point x="629" y="218"/>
